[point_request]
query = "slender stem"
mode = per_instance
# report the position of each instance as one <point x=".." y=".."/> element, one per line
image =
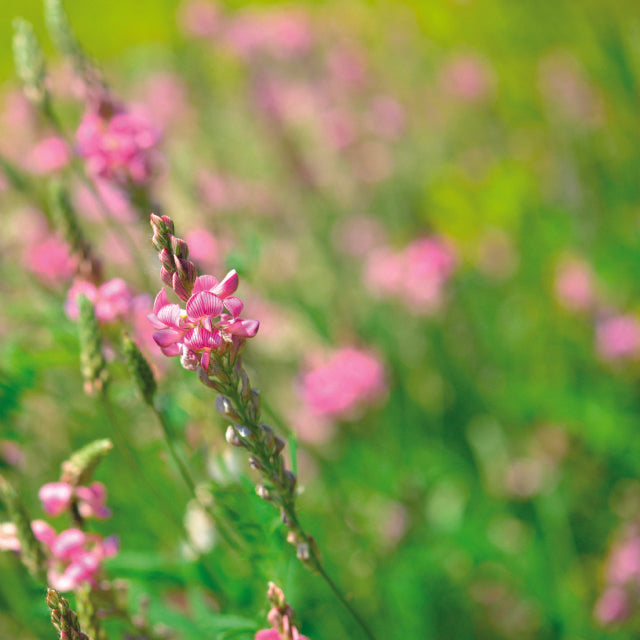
<point x="223" y="528"/>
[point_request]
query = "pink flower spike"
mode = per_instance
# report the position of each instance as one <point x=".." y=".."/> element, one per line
<point x="55" y="497"/>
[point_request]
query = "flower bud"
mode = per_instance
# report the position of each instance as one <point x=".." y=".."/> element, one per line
<point x="263" y="492"/>
<point x="139" y="369"/>
<point x="232" y="437"/>
<point x="225" y="408"/>
<point x="279" y="445"/>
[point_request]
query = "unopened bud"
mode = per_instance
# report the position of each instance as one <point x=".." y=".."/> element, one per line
<point x="255" y="401"/>
<point x="302" y="551"/>
<point x="225" y="408"/>
<point x="179" y="248"/>
<point x="232" y="437"/>
<point x="189" y="360"/>
<point x="79" y="468"/>
<point x="29" y="61"/>
<point x="255" y="463"/>
<point x="291" y="480"/>
<point x="268" y="435"/>
<point x="263" y="492"/>
<point x="279" y="445"/>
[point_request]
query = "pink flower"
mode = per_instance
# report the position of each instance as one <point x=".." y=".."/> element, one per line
<point x="55" y="497"/>
<point x="49" y="155"/>
<point x="203" y="247"/>
<point x="210" y="321"/>
<point x="624" y="562"/>
<point x="121" y="148"/>
<point x="76" y="558"/>
<point x="574" y="285"/>
<point x="351" y="378"/>
<point x="49" y="259"/>
<point x="112" y="300"/>
<point x="613" y="606"/>
<point x="468" y="77"/>
<point x="618" y="337"/>
<point x="416" y="275"/>
<point x="109" y="196"/>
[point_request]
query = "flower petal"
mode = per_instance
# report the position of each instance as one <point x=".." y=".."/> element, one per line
<point x="170" y="315"/>
<point x="228" y="285"/>
<point x="167" y="337"/>
<point x="204" y="283"/>
<point x="242" y="327"/>
<point x="234" y="305"/>
<point x="160" y="301"/>
<point x="203" y="304"/>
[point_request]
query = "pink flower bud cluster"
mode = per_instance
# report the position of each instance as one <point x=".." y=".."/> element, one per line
<point x="621" y="595"/>
<point x="350" y="379"/>
<point x="280" y="617"/>
<point x="210" y="321"/>
<point x="416" y="275"/>
<point x="74" y="557"/>
<point x="121" y="146"/>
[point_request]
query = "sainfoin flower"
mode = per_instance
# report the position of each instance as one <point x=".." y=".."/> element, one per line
<point x="112" y="300"/>
<point x="57" y="497"/>
<point x="350" y="379"/>
<point x="618" y="337"/>
<point x="121" y="148"/>
<point x="210" y="322"/>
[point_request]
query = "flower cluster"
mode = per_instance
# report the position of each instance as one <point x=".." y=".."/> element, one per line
<point x="120" y="147"/>
<point x="112" y="300"/>
<point x="415" y="275"/>
<point x="74" y="557"/>
<point x="210" y="322"/>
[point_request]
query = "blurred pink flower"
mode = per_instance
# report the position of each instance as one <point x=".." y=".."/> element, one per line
<point x="349" y="379"/>
<point x="108" y="199"/>
<point x="122" y="148"/>
<point x="210" y="321"/>
<point x="416" y="275"/>
<point x="624" y="562"/>
<point x="49" y="155"/>
<point x="358" y="235"/>
<point x="203" y="248"/>
<point x="76" y="557"/>
<point x="200" y="19"/>
<point x="613" y="606"/>
<point x="574" y="285"/>
<point x="467" y="77"/>
<point x="49" y="259"/>
<point x="165" y="100"/>
<point x="618" y="337"/>
<point x="386" y="117"/>
<point x="57" y="497"/>
<point x="112" y="300"/>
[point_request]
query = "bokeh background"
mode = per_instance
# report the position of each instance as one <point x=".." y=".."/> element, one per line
<point x="453" y="187"/>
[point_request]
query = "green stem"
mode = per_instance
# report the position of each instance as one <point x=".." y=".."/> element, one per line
<point x="223" y="528"/>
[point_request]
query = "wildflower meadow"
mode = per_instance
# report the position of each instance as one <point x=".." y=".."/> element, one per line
<point x="319" y="320"/>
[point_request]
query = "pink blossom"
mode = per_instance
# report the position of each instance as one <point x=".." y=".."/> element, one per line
<point x="416" y="275"/>
<point x="203" y="247"/>
<point x="574" y="285"/>
<point x="467" y="77"/>
<point x="165" y="100"/>
<point x="210" y="321"/>
<point x="349" y="379"/>
<point x="49" y="259"/>
<point x="121" y="148"/>
<point x="55" y="497"/>
<point x="108" y="199"/>
<point x="112" y="300"/>
<point x="200" y="19"/>
<point x="9" y="534"/>
<point x="613" y="606"/>
<point x="618" y="337"/>
<point x="76" y="558"/>
<point x="49" y="155"/>
<point x="623" y="565"/>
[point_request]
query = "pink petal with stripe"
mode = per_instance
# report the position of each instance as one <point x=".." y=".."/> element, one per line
<point x="204" y="283"/>
<point x="243" y="328"/>
<point x="234" y="305"/>
<point x="228" y="285"/>
<point x="204" y="304"/>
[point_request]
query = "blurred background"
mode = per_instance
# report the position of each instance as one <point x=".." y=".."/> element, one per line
<point x="434" y="208"/>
